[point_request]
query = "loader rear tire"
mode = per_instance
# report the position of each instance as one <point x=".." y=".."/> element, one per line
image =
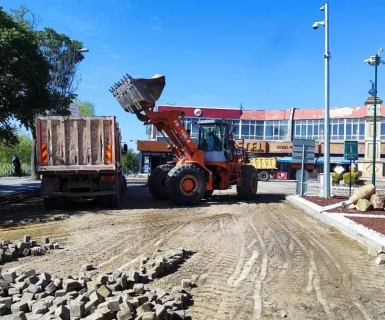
<point x="186" y="185"/>
<point x="264" y="176"/>
<point x="157" y="179"/>
<point x="248" y="189"/>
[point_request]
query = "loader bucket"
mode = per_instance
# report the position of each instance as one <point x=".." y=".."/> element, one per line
<point x="135" y="94"/>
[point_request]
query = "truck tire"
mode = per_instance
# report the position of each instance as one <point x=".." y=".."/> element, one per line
<point x="54" y="203"/>
<point x="123" y="184"/>
<point x="264" y="176"/>
<point x="102" y="201"/>
<point x="248" y="189"/>
<point x="114" y="200"/>
<point x="157" y="179"/>
<point x="49" y="203"/>
<point x="186" y="185"/>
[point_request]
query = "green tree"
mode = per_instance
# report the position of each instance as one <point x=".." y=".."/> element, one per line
<point x="86" y="108"/>
<point x="22" y="149"/>
<point x="129" y="161"/>
<point x="24" y="76"/>
<point x="63" y="57"/>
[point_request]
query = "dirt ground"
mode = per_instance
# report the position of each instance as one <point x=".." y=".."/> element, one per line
<point x="264" y="260"/>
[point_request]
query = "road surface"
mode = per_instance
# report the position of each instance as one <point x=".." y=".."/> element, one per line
<point x="15" y="184"/>
<point x="264" y="260"/>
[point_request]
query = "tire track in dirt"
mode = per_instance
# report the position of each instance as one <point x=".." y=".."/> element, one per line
<point x="258" y="285"/>
<point x="337" y="263"/>
<point x="215" y="269"/>
<point x="214" y="298"/>
<point x="314" y="277"/>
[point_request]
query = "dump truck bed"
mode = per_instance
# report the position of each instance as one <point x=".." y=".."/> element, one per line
<point x="77" y="144"/>
<point x="264" y="163"/>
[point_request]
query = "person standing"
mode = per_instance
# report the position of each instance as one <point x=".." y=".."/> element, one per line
<point x="16" y="165"/>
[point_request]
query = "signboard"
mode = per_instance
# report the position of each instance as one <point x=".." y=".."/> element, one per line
<point x="74" y="110"/>
<point x="351" y="150"/>
<point x="298" y="175"/>
<point x="339" y="169"/>
<point x="280" y="175"/>
<point x="253" y="146"/>
<point x="297" y="154"/>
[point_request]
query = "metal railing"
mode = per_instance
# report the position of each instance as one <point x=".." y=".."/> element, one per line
<point x="7" y="170"/>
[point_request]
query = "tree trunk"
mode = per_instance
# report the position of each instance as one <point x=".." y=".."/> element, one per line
<point x="34" y="175"/>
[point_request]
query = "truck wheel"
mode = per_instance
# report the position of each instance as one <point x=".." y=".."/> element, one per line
<point x="249" y="187"/>
<point x="264" y="176"/>
<point x="114" y="200"/>
<point x="49" y="203"/>
<point x="186" y="185"/>
<point x="123" y="184"/>
<point x="157" y="179"/>
<point x="102" y="201"/>
<point x="54" y="203"/>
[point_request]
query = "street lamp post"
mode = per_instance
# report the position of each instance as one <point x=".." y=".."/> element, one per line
<point x="374" y="61"/>
<point x="325" y="23"/>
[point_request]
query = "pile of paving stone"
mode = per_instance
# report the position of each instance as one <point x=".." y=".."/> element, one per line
<point x="28" y="247"/>
<point x="11" y="223"/>
<point x="118" y="295"/>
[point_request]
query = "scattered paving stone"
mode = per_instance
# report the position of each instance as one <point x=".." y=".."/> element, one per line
<point x="118" y="295"/>
<point x="380" y="259"/>
<point x="10" y="251"/>
<point x="186" y="283"/>
<point x="87" y="266"/>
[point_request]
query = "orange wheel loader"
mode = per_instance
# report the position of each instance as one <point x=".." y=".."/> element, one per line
<point x="211" y="164"/>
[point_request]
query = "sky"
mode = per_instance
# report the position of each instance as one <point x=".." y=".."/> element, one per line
<point x="263" y="54"/>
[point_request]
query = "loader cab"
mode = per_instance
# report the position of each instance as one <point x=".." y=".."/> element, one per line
<point x="215" y="139"/>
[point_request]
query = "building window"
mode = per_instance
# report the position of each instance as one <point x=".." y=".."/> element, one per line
<point x="337" y="129"/>
<point x="382" y="129"/>
<point x="340" y="129"/>
<point x="252" y="130"/>
<point x="191" y="123"/>
<point x="308" y="129"/>
<point x="355" y="129"/>
<point x="276" y="130"/>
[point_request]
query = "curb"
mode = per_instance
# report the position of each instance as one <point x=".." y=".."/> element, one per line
<point x="374" y="244"/>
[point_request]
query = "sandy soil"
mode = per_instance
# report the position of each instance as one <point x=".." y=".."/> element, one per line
<point x="263" y="260"/>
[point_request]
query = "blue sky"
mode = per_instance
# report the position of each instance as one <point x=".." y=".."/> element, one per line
<point x="264" y="54"/>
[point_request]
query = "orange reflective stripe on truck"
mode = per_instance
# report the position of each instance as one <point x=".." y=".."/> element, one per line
<point x="44" y="153"/>
<point x="108" y="154"/>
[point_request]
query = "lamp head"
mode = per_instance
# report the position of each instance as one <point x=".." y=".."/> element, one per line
<point x="317" y="24"/>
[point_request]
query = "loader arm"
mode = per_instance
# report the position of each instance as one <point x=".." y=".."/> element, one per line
<point x="170" y="124"/>
<point x="138" y="96"/>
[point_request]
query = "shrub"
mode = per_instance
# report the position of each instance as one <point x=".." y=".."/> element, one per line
<point x="336" y="178"/>
<point x="354" y="176"/>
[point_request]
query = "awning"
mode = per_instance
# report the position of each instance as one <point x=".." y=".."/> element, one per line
<point x="284" y="159"/>
<point x="333" y="160"/>
<point x="337" y="160"/>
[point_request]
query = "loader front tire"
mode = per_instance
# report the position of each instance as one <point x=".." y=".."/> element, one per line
<point x="157" y="179"/>
<point x="186" y="185"/>
<point x="249" y="187"/>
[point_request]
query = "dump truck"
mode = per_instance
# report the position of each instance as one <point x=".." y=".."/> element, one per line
<point x="80" y="158"/>
<point x="265" y="167"/>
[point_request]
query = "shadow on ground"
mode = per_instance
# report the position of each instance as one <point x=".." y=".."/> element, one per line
<point x="136" y="197"/>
